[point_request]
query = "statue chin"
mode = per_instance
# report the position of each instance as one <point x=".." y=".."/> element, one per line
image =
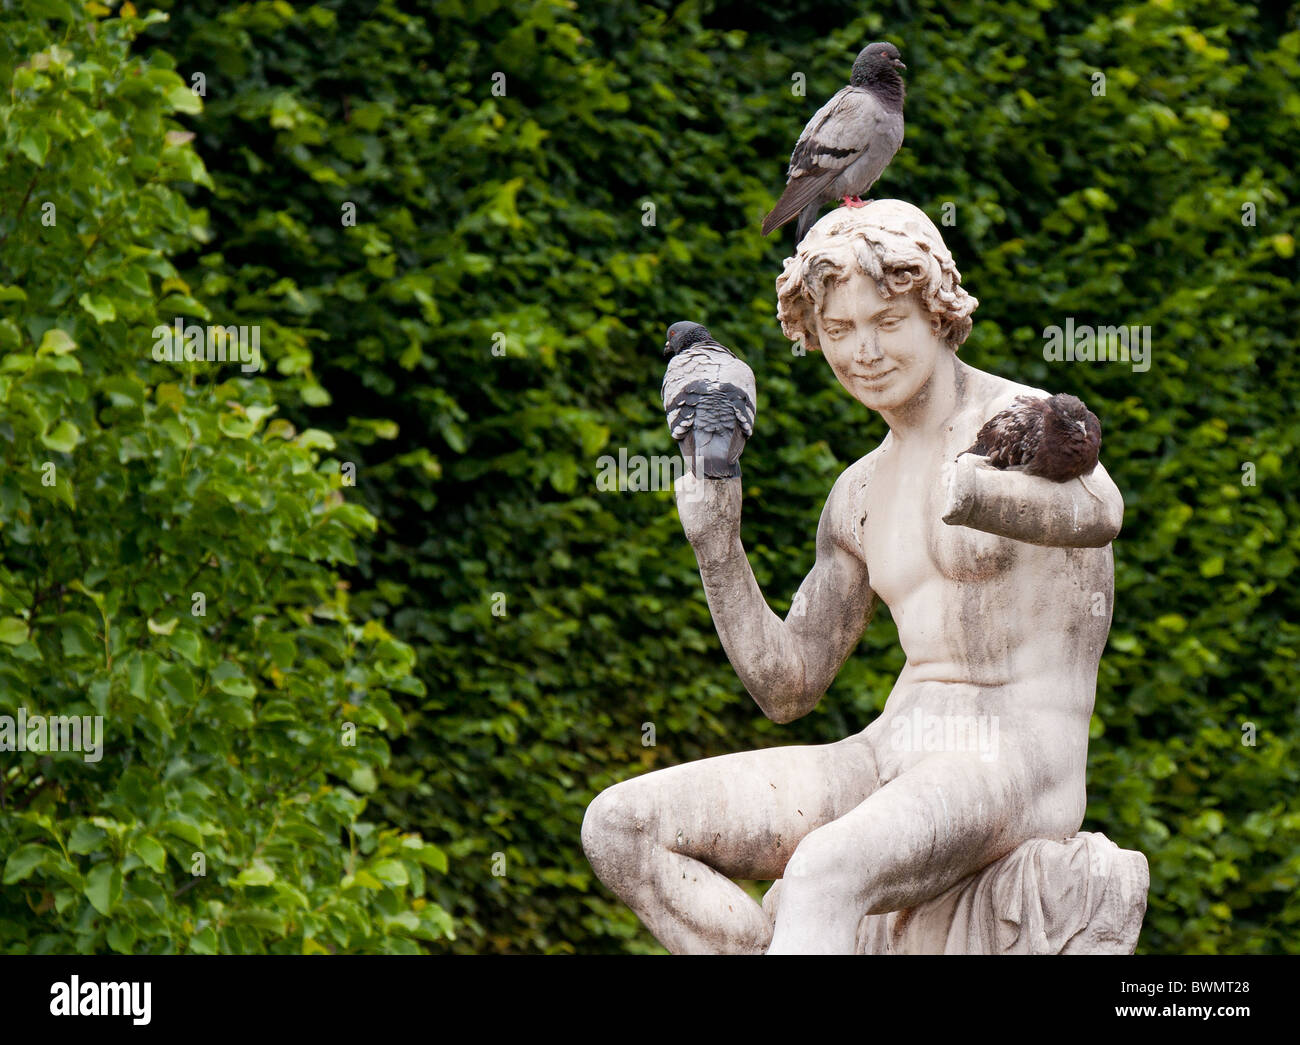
<point x="881" y="396"/>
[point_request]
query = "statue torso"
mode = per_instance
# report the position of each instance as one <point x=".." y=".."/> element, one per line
<point x="991" y="626"/>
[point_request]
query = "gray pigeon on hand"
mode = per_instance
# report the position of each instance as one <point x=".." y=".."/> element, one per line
<point x="709" y="396"/>
<point x="848" y="143"/>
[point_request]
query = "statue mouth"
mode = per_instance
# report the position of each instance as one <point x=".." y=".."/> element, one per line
<point x="875" y="379"/>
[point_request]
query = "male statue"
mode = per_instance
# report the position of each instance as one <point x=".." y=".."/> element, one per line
<point x="1000" y="584"/>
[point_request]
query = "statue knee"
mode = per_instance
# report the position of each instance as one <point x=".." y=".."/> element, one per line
<point x="608" y="830"/>
<point x="823" y="865"/>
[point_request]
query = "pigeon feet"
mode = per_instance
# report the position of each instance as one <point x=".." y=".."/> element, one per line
<point x="854" y="201"/>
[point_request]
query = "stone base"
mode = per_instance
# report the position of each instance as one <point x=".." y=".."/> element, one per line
<point x="1084" y="895"/>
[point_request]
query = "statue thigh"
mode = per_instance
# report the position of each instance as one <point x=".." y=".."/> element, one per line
<point x="741" y="814"/>
<point x="927" y="829"/>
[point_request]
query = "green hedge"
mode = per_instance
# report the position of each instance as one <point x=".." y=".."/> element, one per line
<point x="519" y="221"/>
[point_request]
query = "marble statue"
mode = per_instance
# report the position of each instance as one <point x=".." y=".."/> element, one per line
<point x="949" y="823"/>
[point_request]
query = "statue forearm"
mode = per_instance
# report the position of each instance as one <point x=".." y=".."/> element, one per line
<point x="1081" y="513"/>
<point x="770" y="655"/>
<point x="760" y="646"/>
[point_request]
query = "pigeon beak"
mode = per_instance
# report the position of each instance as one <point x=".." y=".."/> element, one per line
<point x="898" y="63"/>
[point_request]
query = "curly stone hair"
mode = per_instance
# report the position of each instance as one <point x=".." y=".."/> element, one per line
<point x="889" y="241"/>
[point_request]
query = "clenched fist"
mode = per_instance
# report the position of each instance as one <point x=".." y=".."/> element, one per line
<point x="709" y="510"/>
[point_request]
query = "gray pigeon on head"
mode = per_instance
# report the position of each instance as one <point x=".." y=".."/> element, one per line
<point x="848" y="143"/>
<point x="709" y="396"/>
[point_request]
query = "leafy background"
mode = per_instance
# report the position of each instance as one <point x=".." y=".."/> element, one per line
<point x="480" y="215"/>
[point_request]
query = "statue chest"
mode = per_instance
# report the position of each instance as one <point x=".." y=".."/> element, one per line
<point x="898" y="528"/>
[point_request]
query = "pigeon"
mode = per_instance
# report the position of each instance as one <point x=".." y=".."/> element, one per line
<point x="1056" y="438"/>
<point x="848" y="142"/>
<point x="709" y="397"/>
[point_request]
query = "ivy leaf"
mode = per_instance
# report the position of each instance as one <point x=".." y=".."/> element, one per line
<point x="24" y="860"/>
<point x="34" y="144"/>
<point x="257" y="874"/>
<point x="390" y="872"/>
<point x="55" y="342"/>
<point x="104" y="887"/>
<point x="150" y="850"/>
<point x="64" y="437"/>
<point x="13" y="631"/>
<point x="183" y="99"/>
<point x="100" y="307"/>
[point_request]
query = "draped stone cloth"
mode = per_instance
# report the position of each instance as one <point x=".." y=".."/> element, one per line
<point x="1083" y="895"/>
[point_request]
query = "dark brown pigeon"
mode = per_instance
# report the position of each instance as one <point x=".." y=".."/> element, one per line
<point x="848" y="142"/>
<point x="1056" y="438"/>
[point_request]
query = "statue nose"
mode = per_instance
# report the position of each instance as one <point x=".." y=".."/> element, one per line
<point x="868" y="348"/>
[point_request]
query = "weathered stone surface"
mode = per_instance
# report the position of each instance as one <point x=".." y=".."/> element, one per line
<point x="1083" y="895"/>
<point x="1000" y="585"/>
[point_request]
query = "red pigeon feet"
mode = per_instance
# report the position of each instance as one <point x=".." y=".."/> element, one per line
<point x="854" y="201"/>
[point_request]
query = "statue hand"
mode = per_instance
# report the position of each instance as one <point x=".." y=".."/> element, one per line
<point x="709" y="510"/>
<point x="959" y="488"/>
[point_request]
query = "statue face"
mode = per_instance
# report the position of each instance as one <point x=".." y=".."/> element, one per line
<point x="883" y="351"/>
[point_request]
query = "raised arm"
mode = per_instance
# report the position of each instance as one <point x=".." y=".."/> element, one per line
<point x="785" y="665"/>
<point x="1082" y="513"/>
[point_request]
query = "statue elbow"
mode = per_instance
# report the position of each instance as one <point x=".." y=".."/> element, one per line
<point x="785" y="706"/>
<point x="1106" y="518"/>
<point x="1113" y="518"/>
<point x="781" y="714"/>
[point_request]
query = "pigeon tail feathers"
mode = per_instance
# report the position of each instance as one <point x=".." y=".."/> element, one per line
<point x="807" y="219"/>
<point x="712" y="450"/>
<point x="801" y="193"/>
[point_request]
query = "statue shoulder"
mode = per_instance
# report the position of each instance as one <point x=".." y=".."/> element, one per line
<point x="845" y="500"/>
<point x="994" y="395"/>
<point x="1004" y="391"/>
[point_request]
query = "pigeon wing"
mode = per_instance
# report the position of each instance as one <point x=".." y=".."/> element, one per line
<point x="882" y="146"/>
<point x="738" y="383"/>
<point x="680" y="403"/>
<point x="837" y="135"/>
<point x="684" y="409"/>
<point x="718" y="435"/>
<point x="687" y="380"/>
<point x="1011" y="437"/>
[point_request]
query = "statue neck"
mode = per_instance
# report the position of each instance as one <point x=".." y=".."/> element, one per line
<point x="933" y="405"/>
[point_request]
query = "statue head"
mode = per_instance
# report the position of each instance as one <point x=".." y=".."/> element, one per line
<point x="875" y="290"/>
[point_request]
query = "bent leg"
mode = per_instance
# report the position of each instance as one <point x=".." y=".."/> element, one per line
<point x="917" y="836"/>
<point x="667" y="843"/>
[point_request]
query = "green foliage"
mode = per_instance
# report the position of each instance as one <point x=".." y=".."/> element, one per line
<point x="480" y="214"/>
<point x="170" y="563"/>
<point x="522" y="215"/>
